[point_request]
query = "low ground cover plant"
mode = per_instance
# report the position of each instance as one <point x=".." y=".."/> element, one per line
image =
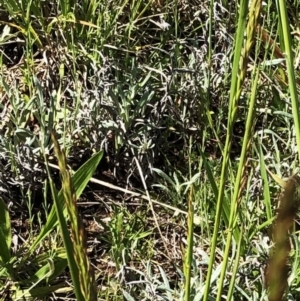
<point x="149" y="150"/>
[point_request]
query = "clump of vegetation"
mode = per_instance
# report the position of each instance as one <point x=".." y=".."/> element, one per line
<point x="139" y="143"/>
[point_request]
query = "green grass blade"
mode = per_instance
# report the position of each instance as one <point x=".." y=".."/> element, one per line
<point x="189" y="252"/>
<point x="290" y="68"/>
<point x="239" y="177"/>
<point x="227" y="148"/>
<point x="74" y="269"/>
<point x="264" y="176"/>
<point x="235" y="268"/>
<point x="80" y="180"/>
<point x="225" y="207"/>
<point x="5" y="233"/>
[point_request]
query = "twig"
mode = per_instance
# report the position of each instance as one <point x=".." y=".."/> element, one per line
<point x="136" y="194"/>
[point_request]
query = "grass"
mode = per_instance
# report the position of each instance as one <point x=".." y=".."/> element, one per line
<point x="142" y="144"/>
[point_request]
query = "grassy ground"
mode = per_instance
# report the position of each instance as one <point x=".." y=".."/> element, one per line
<point x="139" y="146"/>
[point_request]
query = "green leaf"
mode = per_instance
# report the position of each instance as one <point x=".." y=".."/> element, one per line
<point x="266" y="189"/>
<point x="80" y="179"/>
<point x="127" y="296"/>
<point x="61" y="217"/>
<point x="5" y="233"/>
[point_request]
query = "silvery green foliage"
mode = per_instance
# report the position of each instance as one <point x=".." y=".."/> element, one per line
<point x="19" y="167"/>
<point x="151" y="285"/>
<point x="134" y="107"/>
<point x="155" y="284"/>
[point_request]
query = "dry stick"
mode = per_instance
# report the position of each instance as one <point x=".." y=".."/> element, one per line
<point x="144" y="197"/>
<point x="151" y="205"/>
